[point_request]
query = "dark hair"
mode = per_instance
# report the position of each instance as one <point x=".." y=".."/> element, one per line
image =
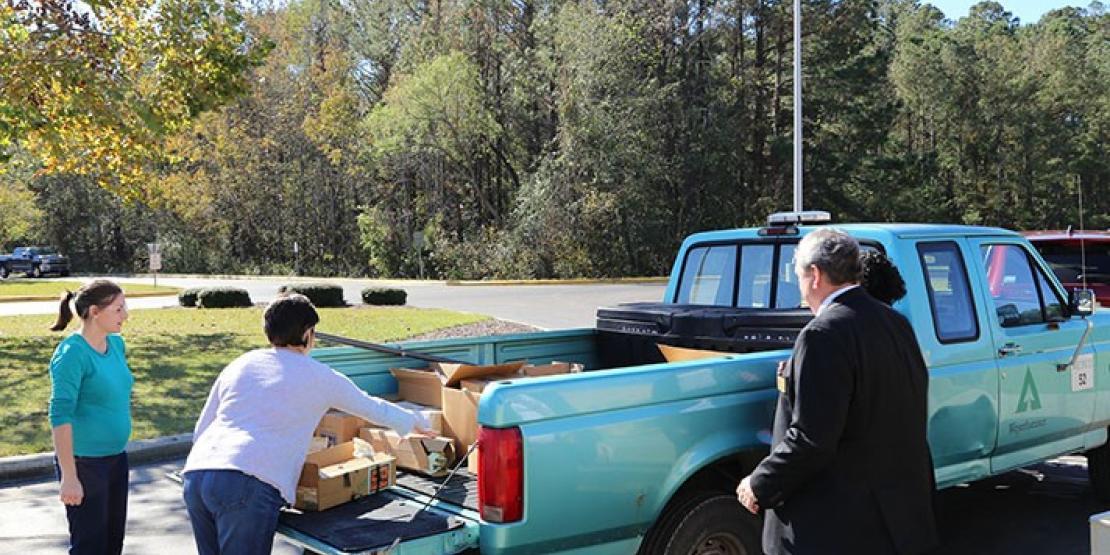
<point x="100" y="292"/>
<point x="881" y="278"/>
<point x="288" y="318"/>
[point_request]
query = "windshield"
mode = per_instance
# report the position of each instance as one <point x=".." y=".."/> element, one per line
<point x="43" y="250"/>
<point x="1067" y="261"/>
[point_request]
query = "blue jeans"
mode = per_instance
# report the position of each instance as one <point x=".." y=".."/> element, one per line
<point x="231" y="512"/>
<point x="96" y="525"/>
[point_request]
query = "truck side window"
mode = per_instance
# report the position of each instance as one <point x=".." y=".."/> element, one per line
<point x="708" y="276"/>
<point x="1012" y="285"/>
<point x="1053" y="305"/>
<point x="949" y="294"/>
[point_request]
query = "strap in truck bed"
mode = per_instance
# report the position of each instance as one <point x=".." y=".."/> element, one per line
<point x="461" y="489"/>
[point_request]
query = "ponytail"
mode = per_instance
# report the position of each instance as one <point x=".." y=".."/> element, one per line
<point x="100" y="292"/>
<point x="65" y="314"/>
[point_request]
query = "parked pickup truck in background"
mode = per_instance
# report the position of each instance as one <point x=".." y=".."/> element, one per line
<point x="34" y="262"/>
<point x="1077" y="258"/>
<point x="636" y="454"/>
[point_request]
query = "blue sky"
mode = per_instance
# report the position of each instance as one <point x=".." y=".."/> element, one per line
<point x="1029" y="11"/>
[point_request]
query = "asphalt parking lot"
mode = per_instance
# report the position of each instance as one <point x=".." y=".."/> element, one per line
<point x="1042" y="510"/>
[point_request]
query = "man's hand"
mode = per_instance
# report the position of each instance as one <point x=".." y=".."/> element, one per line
<point x="71" y="492"/>
<point x="746" y="496"/>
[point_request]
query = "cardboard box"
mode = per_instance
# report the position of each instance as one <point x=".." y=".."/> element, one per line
<point x="432" y="456"/>
<point x="678" y="354"/>
<point x="318" y="444"/>
<point x="478" y="385"/>
<point x="460" y="415"/>
<point x="452" y="374"/>
<point x="336" y="475"/>
<point x="339" y="427"/>
<point x="472" y="462"/>
<point x="552" y="369"/>
<point x="433" y="415"/>
<point x="418" y="386"/>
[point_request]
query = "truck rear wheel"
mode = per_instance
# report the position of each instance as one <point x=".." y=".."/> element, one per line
<point x="1098" y="470"/>
<point x="705" y="523"/>
<point x="36" y="272"/>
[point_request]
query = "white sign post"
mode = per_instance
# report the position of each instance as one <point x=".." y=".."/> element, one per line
<point x="155" y="251"/>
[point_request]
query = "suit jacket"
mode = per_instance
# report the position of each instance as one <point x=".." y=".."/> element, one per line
<point x="850" y="469"/>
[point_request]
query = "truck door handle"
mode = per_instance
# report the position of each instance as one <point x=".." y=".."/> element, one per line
<point x="1009" y="349"/>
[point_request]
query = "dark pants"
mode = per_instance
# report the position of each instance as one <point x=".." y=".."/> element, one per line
<point x="96" y="525"/>
<point x="231" y="512"/>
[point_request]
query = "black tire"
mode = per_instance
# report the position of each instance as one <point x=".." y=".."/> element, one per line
<point x="1098" y="470"/>
<point x="704" y="523"/>
<point x="36" y="271"/>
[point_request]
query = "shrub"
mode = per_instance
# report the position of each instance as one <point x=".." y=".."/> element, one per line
<point x="321" y="294"/>
<point x="384" y="296"/>
<point x="223" y="297"/>
<point x="188" y="297"/>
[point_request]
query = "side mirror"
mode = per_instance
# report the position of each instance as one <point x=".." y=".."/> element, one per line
<point x="1008" y="315"/>
<point x="1081" y="302"/>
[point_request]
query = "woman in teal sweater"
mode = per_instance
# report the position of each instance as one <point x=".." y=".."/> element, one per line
<point x="90" y="414"/>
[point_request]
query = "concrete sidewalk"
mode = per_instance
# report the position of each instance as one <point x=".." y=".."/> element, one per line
<point x="157" y="524"/>
<point x="143" y="451"/>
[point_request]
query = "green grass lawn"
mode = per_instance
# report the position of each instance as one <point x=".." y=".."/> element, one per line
<point x="35" y="287"/>
<point x="174" y="353"/>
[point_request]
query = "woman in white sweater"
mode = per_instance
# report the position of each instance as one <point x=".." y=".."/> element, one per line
<point x="255" y="429"/>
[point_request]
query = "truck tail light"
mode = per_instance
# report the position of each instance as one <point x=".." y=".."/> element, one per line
<point x="500" y="474"/>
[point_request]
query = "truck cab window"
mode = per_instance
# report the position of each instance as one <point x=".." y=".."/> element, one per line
<point x="708" y="276"/>
<point x="949" y="295"/>
<point x="1012" y="285"/>
<point x="787" y="294"/>
<point x="756" y="262"/>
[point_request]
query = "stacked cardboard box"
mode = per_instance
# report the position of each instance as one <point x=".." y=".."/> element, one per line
<point x="456" y="390"/>
<point x="339" y="427"/>
<point x="432" y="456"/>
<point x="343" y="473"/>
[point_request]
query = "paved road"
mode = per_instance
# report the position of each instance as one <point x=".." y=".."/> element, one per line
<point x="1042" y="510"/>
<point x="1037" y="511"/>
<point x="545" y="306"/>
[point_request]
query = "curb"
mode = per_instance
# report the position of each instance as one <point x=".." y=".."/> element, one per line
<point x="572" y="281"/>
<point x="286" y="279"/>
<point x="141" y="451"/>
<point x="31" y="298"/>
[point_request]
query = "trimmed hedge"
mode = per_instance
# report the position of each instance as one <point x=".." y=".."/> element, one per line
<point x="321" y="294"/>
<point x="223" y="297"/>
<point x="384" y="296"/>
<point x="188" y="297"/>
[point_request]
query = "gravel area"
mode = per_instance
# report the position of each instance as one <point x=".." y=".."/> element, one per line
<point x="492" y="326"/>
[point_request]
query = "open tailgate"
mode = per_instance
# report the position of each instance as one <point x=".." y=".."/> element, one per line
<point x="381" y="523"/>
<point x="390" y="522"/>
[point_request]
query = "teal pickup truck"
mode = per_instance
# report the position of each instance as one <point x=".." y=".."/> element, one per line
<point x="639" y="455"/>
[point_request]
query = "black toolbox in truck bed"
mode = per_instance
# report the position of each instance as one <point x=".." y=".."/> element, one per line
<point x="629" y="332"/>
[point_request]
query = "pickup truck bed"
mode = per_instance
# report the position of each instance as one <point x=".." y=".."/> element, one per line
<point x="369" y="524"/>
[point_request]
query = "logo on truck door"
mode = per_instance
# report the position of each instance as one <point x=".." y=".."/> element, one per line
<point x="1030" y="399"/>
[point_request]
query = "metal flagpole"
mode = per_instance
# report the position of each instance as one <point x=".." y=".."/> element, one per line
<point x="798" y="105"/>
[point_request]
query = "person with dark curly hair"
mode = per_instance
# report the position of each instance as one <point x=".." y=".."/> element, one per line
<point x="881" y="278"/>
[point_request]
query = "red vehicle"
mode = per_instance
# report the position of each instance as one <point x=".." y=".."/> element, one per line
<point x="1062" y="251"/>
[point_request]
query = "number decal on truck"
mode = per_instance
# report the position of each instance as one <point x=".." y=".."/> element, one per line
<point x="1083" y="372"/>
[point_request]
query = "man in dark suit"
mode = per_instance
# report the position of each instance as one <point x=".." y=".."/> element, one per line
<point x="850" y="469"/>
